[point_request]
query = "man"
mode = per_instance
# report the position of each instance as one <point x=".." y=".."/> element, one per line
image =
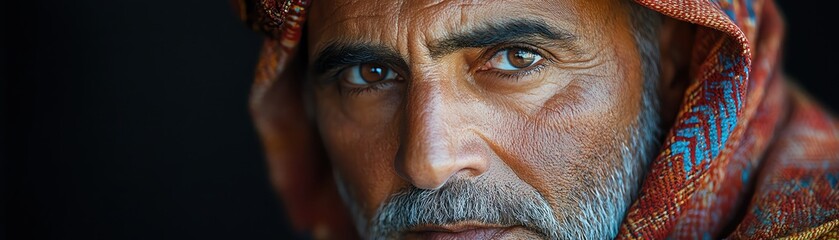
<point x="570" y="119"/>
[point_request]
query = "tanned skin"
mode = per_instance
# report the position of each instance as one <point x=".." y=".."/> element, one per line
<point x="445" y="106"/>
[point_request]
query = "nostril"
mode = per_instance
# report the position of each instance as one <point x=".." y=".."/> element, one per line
<point x="428" y="172"/>
<point x="431" y="175"/>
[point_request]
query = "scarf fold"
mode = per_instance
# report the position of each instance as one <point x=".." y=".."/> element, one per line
<point x="741" y="160"/>
<point x="749" y="155"/>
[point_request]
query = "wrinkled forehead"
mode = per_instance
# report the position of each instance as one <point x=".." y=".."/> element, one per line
<point x="416" y="23"/>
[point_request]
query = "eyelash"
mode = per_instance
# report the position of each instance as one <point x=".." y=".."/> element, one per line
<point x="361" y="90"/>
<point x="516" y="76"/>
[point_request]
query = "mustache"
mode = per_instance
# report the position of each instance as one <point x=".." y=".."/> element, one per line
<point x="463" y="200"/>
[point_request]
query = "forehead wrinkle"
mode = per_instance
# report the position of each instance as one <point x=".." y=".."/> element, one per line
<point x="361" y="17"/>
<point x="342" y="23"/>
<point x="401" y="46"/>
<point x="426" y="21"/>
<point x="442" y="4"/>
<point x="339" y="6"/>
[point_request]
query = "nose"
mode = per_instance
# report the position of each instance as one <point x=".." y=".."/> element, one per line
<point x="432" y="148"/>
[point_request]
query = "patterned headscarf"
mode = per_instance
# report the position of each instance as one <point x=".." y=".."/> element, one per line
<point x="749" y="155"/>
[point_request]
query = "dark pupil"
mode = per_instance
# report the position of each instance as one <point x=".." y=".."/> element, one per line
<point x="371" y="72"/>
<point x="520" y="58"/>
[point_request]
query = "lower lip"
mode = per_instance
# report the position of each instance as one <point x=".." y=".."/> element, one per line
<point x="478" y="234"/>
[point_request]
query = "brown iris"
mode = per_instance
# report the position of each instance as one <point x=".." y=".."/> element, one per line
<point x="520" y="58"/>
<point x="371" y="72"/>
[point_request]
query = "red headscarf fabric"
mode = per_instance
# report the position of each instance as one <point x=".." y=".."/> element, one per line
<point x="749" y="156"/>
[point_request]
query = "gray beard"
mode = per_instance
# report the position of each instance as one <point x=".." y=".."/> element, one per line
<point x="601" y="208"/>
<point x="598" y="215"/>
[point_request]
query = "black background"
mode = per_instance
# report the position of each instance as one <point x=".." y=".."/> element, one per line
<point x="128" y="119"/>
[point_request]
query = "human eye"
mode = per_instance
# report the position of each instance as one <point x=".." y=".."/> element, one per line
<point x="366" y="77"/>
<point x="513" y="66"/>
<point x="513" y="59"/>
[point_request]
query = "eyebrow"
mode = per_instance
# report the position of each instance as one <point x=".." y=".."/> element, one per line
<point x="337" y="55"/>
<point x="501" y="32"/>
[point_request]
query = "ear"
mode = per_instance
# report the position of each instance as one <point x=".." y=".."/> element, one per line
<point x="298" y="167"/>
<point x="676" y="41"/>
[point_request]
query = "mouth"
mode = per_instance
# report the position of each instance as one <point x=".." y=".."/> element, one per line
<point x="459" y="230"/>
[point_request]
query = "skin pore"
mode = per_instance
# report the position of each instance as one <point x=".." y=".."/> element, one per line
<point x="507" y="119"/>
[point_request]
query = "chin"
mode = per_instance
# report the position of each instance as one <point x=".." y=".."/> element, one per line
<point x="471" y="232"/>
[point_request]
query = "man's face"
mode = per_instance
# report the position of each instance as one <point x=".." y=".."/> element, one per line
<point x="480" y="119"/>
